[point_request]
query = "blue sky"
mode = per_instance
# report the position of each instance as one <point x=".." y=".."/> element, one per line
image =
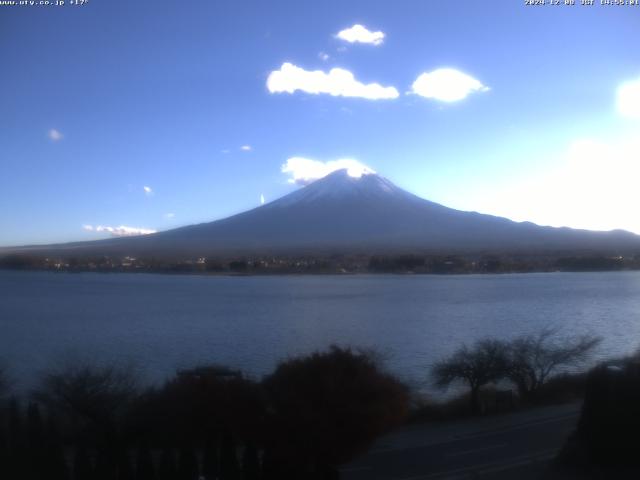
<point x="527" y="112"/>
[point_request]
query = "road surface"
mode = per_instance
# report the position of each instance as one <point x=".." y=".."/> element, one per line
<point x="517" y="445"/>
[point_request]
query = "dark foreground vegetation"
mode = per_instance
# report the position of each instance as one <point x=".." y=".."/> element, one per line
<point x="605" y="444"/>
<point x="542" y="369"/>
<point x="526" y="363"/>
<point x="302" y="421"/>
<point x="331" y="264"/>
<point x="311" y="415"/>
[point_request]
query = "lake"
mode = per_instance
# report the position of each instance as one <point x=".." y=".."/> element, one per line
<point x="164" y="322"/>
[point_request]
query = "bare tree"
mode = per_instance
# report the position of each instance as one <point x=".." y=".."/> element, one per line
<point x="534" y="358"/>
<point x="479" y="365"/>
<point x="89" y="394"/>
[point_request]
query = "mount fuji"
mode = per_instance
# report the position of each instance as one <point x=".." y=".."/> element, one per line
<point x="341" y="213"/>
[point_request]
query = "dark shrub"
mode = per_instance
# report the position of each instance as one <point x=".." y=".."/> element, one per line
<point x="198" y="404"/>
<point x="326" y="408"/>
<point x="610" y="418"/>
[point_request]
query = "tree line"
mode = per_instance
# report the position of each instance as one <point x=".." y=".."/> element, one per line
<point x="330" y="263"/>
<point x="91" y="422"/>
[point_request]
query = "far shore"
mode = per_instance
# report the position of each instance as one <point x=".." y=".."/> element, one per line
<point x="333" y="264"/>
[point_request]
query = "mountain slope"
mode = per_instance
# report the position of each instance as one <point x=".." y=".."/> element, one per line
<point x="347" y="214"/>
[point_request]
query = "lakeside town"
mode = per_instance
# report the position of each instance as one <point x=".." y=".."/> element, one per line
<point x="330" y="264"/>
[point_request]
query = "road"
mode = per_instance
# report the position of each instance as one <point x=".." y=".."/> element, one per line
<point x="517" y="445"/>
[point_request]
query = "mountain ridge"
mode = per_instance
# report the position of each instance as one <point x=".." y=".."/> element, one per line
<point x="345" y="214"/>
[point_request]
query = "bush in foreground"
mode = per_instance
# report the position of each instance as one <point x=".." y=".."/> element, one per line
<point x="326" y="409"/>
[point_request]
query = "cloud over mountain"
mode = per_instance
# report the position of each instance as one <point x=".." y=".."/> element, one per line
<point x="303" y="171"/>
<point x="119" y="231"/>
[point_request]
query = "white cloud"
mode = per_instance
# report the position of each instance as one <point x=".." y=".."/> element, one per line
<point x="338" y="82"/>
<point x="360" y="34"/>
<point x="262" y="199"/>
<point x="147" y="190"/>
<point x="324" y="56"/>
<point x="628" y="99"/>
<point x="446" y="85"/>
<point x="120" y="231"/>
<point x="305" y="170"/>
<point x="246" y="148"/>
<point x="54" y="135"/>
<point x="169" y="215"/>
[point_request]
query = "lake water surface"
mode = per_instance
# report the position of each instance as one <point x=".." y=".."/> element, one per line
<point x="164" y="322"/>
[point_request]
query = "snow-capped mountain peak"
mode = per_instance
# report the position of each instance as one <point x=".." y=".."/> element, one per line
<point x="343" y="184"/>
